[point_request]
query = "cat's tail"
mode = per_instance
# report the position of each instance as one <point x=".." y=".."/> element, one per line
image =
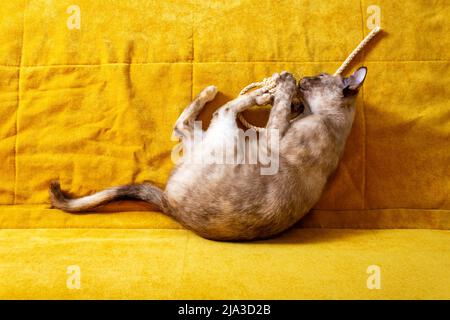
<point x="146" y="192"/>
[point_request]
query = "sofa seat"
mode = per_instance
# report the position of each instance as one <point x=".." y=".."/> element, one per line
<point x="161" y="260"/>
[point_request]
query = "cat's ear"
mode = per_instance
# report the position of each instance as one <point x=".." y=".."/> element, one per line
<point x="352" y="83"/>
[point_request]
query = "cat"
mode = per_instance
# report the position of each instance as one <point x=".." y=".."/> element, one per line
<point x="235" y="202"/>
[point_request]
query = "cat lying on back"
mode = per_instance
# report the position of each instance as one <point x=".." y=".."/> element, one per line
<point x="235" y="201"/>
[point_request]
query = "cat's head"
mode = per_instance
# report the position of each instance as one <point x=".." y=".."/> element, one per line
<point x="325" y="92"/>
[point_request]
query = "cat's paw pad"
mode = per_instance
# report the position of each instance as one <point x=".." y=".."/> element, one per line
<point x="286" y="77"/>
<point x="276" y="77"/>
<point x="286" y="82"/>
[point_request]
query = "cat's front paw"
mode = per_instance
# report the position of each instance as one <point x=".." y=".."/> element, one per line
<point x="286" y="83"/>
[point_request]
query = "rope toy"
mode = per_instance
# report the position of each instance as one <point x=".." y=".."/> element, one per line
<point x="270" y="84"/>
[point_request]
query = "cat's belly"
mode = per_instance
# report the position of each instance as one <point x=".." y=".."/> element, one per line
<point x="235" y="202"/>
<point x="229" y="201"/>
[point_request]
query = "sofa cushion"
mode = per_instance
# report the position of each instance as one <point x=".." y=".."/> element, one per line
<point x="86" y="263"/>
<point x="94" y="106"/>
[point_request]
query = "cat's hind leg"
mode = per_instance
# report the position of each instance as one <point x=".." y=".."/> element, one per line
<point x="258" y="97"/>
<point x="184" y="126"/>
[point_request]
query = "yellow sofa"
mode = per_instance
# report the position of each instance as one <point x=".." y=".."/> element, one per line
<point x="89" y="91"/>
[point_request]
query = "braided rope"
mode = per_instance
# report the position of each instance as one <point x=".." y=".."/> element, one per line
<point x="267" y="83"/>
<point x="352" y="55"/>
<point x="270" y="84"/>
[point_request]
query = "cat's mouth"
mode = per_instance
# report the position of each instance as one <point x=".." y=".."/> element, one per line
<point x="297" y="107"/>
<point x="299" y="99"/>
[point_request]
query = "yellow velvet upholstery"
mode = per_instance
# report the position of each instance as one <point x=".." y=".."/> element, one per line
<point x="176" y="264"/>
<point x="94" y="107"/>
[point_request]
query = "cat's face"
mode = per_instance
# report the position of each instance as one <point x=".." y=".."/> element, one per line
<point x="325" y="91"/>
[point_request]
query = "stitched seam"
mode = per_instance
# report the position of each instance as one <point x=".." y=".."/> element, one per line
<point x="19" y="90"/>
<point x="42" y="204"/>
<point x="200" y="62"/>
<point x="94" y="228"/>
<point x="296" y="226"/>
<point x="363" y="112"/>
<point x="192" y="51"/>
